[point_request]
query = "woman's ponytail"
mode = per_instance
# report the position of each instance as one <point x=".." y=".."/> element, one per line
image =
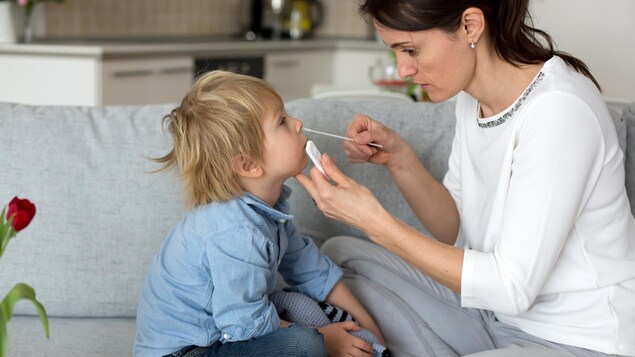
<point x="517" y="41"/>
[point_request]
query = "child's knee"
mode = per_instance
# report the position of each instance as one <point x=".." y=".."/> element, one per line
<point x="308" y="341"/>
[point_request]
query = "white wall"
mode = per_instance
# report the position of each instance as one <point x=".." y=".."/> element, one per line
<point x="601" y="33"/>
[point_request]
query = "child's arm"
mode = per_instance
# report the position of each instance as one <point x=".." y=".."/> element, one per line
<point x="342" y="297"/>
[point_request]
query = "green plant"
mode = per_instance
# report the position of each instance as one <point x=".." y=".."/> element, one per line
<point x="19" y="214"/>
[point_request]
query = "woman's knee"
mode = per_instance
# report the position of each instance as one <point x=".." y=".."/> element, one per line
<point x="342" y="248"/>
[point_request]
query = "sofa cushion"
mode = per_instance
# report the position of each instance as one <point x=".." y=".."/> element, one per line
<point x="71" y="337"/>
<point x="428" y="127"/>
<point x="620" y="127"/>
<point x="101" y="215"/>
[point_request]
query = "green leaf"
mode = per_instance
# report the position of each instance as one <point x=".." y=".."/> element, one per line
<point x="19" y="292"/>
<point x="3" y="231"/>
<point x="4" y="336"/>
<point x="6" y="232"/>
<point x="3" y="225"/>
<point x="10" y="233"/>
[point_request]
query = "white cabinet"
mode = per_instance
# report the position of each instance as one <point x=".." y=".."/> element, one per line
<point x="144" y="74"/>
<point x="295" y="73"/>
<point x="146" y="81"/>
<point x="58" y="80"/>
<point x="353" y="66"/>
<point x="82" y="80"/>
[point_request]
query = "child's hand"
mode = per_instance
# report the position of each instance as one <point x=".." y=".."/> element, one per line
<point x="341" y="343"/>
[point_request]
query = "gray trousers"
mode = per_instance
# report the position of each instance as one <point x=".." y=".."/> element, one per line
<point x="420" y="317"/>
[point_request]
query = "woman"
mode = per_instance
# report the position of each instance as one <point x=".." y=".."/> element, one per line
<point x="532" y="243"/>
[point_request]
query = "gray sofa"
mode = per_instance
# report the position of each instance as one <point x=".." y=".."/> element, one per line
<point x="101" y="215"/>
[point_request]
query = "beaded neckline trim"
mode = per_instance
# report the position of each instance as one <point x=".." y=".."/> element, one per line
<point x="503" y="118"/>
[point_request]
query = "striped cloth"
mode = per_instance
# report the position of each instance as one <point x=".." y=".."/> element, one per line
<point x="301" y="309"/>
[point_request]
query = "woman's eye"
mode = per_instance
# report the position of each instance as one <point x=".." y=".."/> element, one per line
<point x="409" y="52"/>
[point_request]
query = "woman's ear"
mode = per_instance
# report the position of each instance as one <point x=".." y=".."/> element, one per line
<point x="247" y="167"/>
<point x="473" y="23"/>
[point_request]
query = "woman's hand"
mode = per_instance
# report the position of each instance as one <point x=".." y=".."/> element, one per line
<point x="365" y="130"/>
<point x="343" y="199"/>
<point x="341" y="343"/>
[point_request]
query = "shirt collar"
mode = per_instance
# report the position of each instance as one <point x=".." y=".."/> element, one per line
<point x="280" y="211"/>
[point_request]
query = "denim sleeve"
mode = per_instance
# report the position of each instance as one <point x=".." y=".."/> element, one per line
<point x="305" y="268"/>
<point x="239" y="261"/>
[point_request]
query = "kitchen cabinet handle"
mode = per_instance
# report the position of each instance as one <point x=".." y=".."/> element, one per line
<point x="132" y="73"/>
<point x="285" y="63"/>
<point x="176" y="70"/>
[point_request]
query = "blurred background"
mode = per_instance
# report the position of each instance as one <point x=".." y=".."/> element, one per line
<point x="152" y="18"/>
<point x="304" y="47"/>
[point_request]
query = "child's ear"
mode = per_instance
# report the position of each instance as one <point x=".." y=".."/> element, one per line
<point x="246" y="167"/>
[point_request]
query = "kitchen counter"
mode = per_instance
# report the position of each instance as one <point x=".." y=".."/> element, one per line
<point x="142" y="71"/>
<point x="108" y="49"/>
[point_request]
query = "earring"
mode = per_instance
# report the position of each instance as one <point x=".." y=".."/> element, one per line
<point x="472" y="44"/>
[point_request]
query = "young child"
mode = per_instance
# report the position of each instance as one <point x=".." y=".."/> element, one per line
<point x="207" y="290"/>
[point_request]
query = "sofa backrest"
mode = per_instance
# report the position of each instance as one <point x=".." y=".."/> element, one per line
<point x="100" y="215"/>
<point x="627" y="119"/>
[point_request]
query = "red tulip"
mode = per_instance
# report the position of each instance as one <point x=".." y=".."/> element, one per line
<point x="23" y="210"/>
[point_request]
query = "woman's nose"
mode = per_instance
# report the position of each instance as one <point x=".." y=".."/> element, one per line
<point x="406" y="68"/>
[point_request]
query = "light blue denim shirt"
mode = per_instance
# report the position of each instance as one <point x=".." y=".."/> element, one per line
<point x="211" y="279"/>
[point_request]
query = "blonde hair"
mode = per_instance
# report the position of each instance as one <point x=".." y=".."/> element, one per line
<point x="218" y="121"/>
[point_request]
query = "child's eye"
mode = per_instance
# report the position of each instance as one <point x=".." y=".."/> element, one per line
<point x="283" y="120"/>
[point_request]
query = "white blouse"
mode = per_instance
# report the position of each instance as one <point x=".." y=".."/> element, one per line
<point x="545" y="219"/>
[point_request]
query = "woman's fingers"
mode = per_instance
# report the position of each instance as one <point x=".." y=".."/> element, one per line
<point x="360" y="123"/>
<point x="333" y="172"/>
<point x="308" y="184"/>
<point x="360" y="129"/>
<point x="358" y="153"/>
<point x="338" y="196"/>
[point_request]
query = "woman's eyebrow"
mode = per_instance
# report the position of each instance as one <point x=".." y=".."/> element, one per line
<point x="397" y="44"/>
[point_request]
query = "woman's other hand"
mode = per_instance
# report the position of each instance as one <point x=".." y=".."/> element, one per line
<point x="341" y="343"/>
<point x="364" y="130"/>
<point x="343" y="199"/>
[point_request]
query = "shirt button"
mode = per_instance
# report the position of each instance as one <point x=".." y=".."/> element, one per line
<point x="282" y="220"/>
<point x="227" y="336"/>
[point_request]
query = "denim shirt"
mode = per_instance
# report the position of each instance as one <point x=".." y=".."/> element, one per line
<point x="211" y="278"/>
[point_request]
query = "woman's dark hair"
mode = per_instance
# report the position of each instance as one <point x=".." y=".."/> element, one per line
<point x="509" y="26"/>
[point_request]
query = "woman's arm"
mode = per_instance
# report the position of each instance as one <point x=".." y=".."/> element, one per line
<point x="354" y="204"/>
<point x="430" y="200"/>
<point x="342" y="297"/>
